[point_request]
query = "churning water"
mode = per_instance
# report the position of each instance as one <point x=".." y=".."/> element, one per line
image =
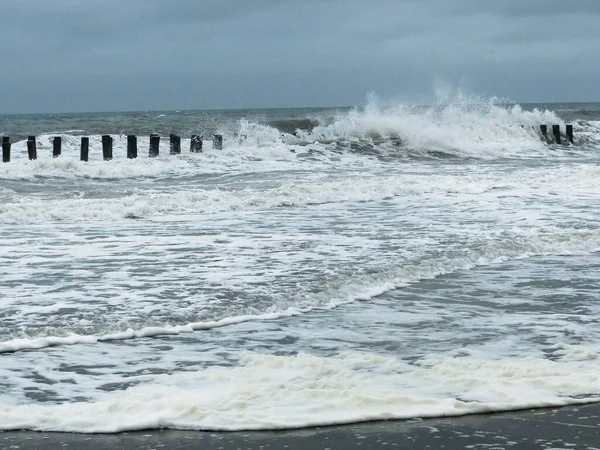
<point x="326" y="266"/>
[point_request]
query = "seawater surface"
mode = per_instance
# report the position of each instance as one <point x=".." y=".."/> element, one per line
<point x="326" y="266"/>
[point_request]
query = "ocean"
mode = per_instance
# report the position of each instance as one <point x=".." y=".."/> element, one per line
<point x="327" y="266"/>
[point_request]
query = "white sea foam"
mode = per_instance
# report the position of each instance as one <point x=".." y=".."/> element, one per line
<point x="275" y="392"/>
<point x="127" y="307"/>
<point x="139" y="202"/>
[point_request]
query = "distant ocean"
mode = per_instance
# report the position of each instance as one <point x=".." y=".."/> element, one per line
<point x="327" y="266"/>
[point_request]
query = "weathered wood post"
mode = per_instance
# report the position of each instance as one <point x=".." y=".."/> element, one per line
<point x="175" y="142"/>
<point x="107" y="147"/>
<point x="570" y="133"/>
<point x="31" y="148"/>
<point x="131" y="146"/>
<point x="85" y="148"/>
<point x="544" y="131"/>
<point x="5" y="149"/>
<point x="154" y="145"/>
<point x="218" y="141"/>
<point x="56" y="146"/>
<point x="196" y="144"/>
<point x="556" y="133"/>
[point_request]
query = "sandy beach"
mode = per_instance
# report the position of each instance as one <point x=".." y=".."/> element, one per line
<point x="563" y="428"/>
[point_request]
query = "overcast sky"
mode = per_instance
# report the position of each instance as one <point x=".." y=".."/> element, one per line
<point x="109" y="55"/>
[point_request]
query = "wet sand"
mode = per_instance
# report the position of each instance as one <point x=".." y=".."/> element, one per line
<point x="559" y="428"/>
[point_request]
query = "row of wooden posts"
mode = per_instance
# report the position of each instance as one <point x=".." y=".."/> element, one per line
<point x="556" y="133"/>
<point x="107" y="146"/>
<point x="175" y="144"/>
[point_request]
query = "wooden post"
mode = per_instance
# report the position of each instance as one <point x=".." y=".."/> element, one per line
<point x="556" y="133"/>
<point x="196" y="144"/>
<point x="175" y="144"/>
<point x="32" y="148"/>
<point x="570" y="133"/>
<point x="154" y="145"/>
<point x="85" y="148"/>
<point x="131" y="146"/>
<point x="6" y="149"/>
<point x="107" y="147"/>
<point x="56" y="146"/>
<point x="218" y="141"/>
<point x="544" y="131"/>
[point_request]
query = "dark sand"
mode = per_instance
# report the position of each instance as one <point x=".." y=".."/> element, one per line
<point x="563" y="428"/>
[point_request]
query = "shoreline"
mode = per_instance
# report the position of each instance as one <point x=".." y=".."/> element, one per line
<point x="568" y="427"/>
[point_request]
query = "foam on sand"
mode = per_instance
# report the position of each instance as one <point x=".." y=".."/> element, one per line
<point x="277" y="392"/>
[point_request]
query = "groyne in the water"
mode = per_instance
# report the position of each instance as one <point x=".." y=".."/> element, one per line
<point x="196" y="141"/>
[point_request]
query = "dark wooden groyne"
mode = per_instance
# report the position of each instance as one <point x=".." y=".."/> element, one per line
<point x="556" y="135"/>
<point x="196" y="144"/>
<point x="107" y="146"/>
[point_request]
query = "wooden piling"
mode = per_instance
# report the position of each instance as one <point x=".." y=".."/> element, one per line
<point x="154" y="145"/>
<point x="107" y="147"/>
<point x="556" y="133"/>
<point x="196" y="144"/>
<point x="6" y="149"/>
<point x="31" y="148"/>
<point x="85" y="149"/>
<point x="131" y="146"/>
<point x="175" y="142"/>
<point x="544" y="132"/>
<point x="570" y="133"/>
<point x="56" y="146"/>
<point x="218" y="141"/>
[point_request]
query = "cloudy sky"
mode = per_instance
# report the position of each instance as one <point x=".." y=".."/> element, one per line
<point x="108" y="55"/>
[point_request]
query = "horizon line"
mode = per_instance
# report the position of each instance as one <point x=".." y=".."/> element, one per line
<point x="271" y="108"/>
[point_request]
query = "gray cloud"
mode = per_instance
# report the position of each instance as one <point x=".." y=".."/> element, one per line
<point x="520" y="9"/>
<point x="68" y="55"/>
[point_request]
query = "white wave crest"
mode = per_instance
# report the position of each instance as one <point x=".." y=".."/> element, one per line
<point x="466" y="126"/>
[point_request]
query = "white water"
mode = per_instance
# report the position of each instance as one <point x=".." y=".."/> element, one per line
<point x="277" y="392"/>
<point x="292" y="281"/>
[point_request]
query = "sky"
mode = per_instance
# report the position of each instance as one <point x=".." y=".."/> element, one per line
<point x="132" y="55"/>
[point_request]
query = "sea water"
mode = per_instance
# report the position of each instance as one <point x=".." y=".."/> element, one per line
<point x="326" y="266"/>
